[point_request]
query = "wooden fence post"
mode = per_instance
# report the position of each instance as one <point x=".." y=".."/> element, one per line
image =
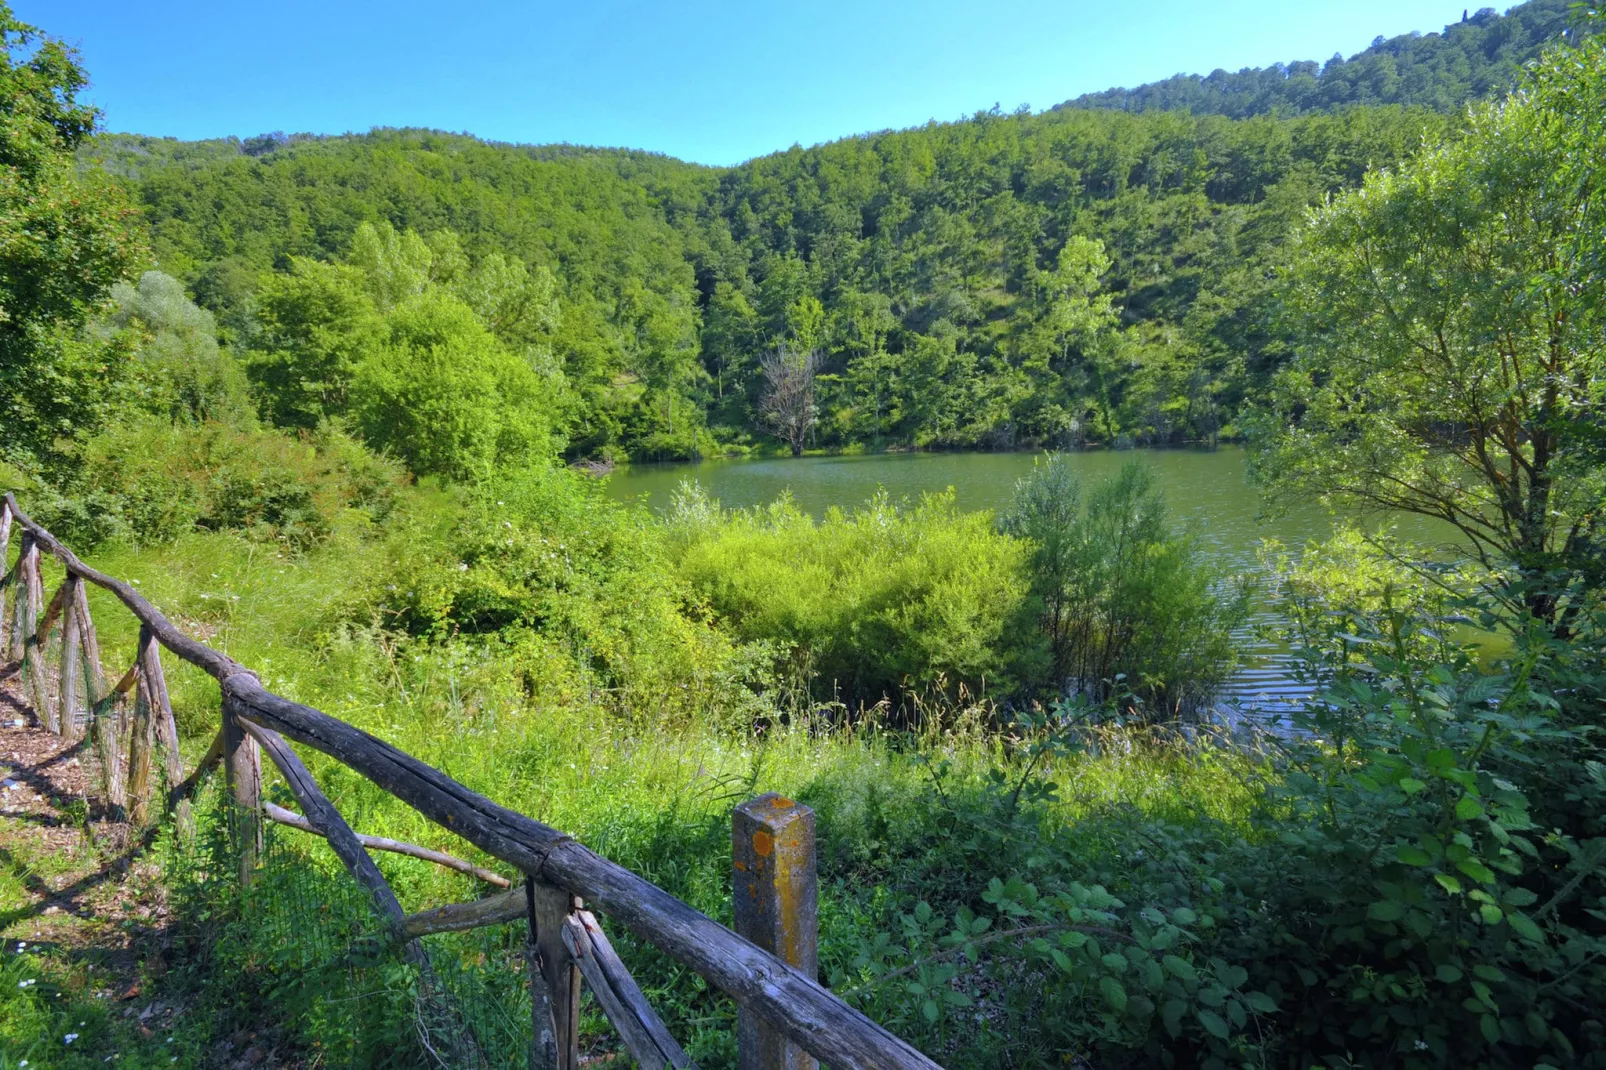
<point x="557" y="1039"/>
<point x="163" y="724"/>
<point x="104" y="712"/>
<point x="25" y="637"/>
<point x="141" y="737"/>
<point x="776" y="895"/>
<point x="19" y="599"/>
<point x="65" y="718"/>
<point x="5" y="545"/>
<point x="242" y="771"/>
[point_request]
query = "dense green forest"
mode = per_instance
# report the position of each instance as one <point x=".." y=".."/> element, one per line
<point x="315" y="397"/>
<point x="1004" y="281"/>
<point x="1482" y="54"/>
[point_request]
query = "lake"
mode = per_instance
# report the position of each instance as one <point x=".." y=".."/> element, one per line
<point x="1207" y="488"/>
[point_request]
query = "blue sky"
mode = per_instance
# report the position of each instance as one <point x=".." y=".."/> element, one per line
<point x="712" y="82"/>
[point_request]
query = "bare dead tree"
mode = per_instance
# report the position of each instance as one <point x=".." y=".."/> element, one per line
<point x="788" y="404"/>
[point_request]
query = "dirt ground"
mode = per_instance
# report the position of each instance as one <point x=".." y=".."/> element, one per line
<point x="80" y="893"/>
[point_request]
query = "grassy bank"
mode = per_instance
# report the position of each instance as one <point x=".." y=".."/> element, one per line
<point x="652" y="792"/>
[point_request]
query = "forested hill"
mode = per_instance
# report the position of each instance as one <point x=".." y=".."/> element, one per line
<point x="1005" y="280"/>
<point x="1472" y="59"/>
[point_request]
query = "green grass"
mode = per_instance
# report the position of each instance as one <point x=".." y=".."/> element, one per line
<point x="654" y="798"/>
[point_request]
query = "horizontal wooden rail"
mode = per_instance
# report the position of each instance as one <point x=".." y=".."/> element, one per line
<point x="788" y="999"/>
<point x="380" y="843"/>
<point x="496" y="909"/>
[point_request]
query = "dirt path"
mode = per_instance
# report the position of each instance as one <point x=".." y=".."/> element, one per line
<point x="75" y="892"/>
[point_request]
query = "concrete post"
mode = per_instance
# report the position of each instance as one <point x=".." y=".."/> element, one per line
<point x="776" y="894"/>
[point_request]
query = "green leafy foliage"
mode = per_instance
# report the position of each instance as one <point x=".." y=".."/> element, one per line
<point x="151" y="481"/>
<point x="1129" y="607"/>
<point x="574" y="596"/>
<point x="1007" y="280"/>
<point x="65" y="238"/>
<point x="873" y="605"/>
<point x="1449" y="320"/>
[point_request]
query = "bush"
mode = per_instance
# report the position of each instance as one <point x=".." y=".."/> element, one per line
<point x="883" y="603"/>
<point x="1436" y="884"/>
<point x="152" y="481"/>
<point x="1129" y="607"/>
<point x="574" y="594"/>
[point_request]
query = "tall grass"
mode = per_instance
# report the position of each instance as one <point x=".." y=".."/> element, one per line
<point x="655" y="796"/>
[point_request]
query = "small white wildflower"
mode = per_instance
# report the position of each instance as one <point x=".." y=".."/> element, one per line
<point x="25" y="984"/>
<point x="1421" y="1045"/>
<point x="69" y="1038"/>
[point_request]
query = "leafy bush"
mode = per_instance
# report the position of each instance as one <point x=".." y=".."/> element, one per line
<point x="574" y="594"/>
<point x="444" y="395"/>
<point x="885" y="602"/>
<point x="152" y="481"/>
<point x="1128" y="605"/>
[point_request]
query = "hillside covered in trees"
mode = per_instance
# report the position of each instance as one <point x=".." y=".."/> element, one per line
<point x="1483" y="54"/>
<point x="1003" y="281"/>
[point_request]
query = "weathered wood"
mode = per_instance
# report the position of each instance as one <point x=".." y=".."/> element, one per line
<point x="775" y="896"/>
<point x="381" y="843"/>
<point x="242" y="772"/>
<point x="25" y="640"/>
<point x="178" y="794"/>
<point x="549" y="908"/>
<point x="462" y="1050"/>
<point x="164" y="727"/>
<point x="52" y="614"/>
<point x="141" y="738"/>
<point x="8" y="579"/>
<point x="622" y="1000"/>
<point x="543" y="1032"/>
<point x="498" y="909"/>
<point x="327" y="820"/>
<point x="104" y="718"/>
<point x="64" y="716"/>
<point x="808" y="1014"/>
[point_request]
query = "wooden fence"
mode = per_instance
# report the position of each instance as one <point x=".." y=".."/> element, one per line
<point x="786" y="1019"/>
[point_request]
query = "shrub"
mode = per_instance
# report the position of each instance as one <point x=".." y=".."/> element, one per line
<point x="575" y="594"/>
<point x="442" y="393"/>
<point x="1128" y="605"/>
<point x="885" y="602"/>
<point x="152" y="481"/>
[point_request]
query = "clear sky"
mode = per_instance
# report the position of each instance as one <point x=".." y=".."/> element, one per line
<point x="712" y="82"/>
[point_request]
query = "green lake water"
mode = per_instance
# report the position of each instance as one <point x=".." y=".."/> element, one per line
<point x="1205" y="488"/>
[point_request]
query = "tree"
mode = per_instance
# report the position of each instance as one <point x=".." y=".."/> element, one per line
<point x="445" y="396"/>
<point x="179" y="371"/>
<point x="788" y="404"/>
<point x="65" y="238"/>
<point x="1449" y="316"/>
<point x="318" y="324"/>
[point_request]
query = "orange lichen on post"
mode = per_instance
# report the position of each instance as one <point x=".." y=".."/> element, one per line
<point x="776" y="904"/>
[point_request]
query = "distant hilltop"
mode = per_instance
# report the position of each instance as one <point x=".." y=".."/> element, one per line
<point x="1470" y="60"/>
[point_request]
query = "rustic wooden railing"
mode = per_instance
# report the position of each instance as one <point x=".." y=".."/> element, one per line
<point x="785" y="1016"/>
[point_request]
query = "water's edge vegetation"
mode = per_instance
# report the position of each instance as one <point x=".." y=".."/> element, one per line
<point x="349" y="472"/>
